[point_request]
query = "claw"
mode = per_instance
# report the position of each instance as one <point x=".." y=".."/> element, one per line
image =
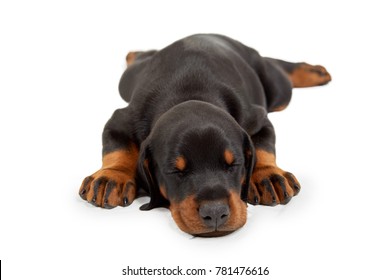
<point x="84" y="187"/>
<point x="256" y="199"/>
<point x="106" y="188"/>
<point x="125" y="201"/>
<point x="107" y="206"/>
<point x="297" y="189"/>
<point x="287" y="198"/>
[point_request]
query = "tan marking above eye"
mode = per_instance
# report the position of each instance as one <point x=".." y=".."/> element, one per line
<point x="180" y="163"/>
<point x="229" y="157"/>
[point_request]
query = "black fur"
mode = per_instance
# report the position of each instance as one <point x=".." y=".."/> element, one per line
<point x="197" y="97"/>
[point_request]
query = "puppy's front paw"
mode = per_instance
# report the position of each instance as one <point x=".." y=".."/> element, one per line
<point x="271" y="185"/>
<point x="108" y="188"/>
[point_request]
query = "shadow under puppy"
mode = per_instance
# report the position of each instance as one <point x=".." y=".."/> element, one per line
<point x="195" y="135"/>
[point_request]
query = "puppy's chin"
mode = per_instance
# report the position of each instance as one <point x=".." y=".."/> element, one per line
<point x="213" y="234"/>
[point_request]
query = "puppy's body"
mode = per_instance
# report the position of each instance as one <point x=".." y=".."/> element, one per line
<point x="197" y="127"/>
<point x="209" y="68"/>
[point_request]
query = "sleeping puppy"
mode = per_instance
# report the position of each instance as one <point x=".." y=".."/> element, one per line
<point x="195" y="135"/>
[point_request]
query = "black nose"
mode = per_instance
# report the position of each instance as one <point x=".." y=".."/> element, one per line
<point x="214" y="214"/>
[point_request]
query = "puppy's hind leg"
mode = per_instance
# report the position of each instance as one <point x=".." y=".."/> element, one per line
<point x="302" y="74"/>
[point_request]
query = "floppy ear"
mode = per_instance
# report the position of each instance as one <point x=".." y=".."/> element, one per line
<point x="250" y="160"/>
<point x="147" y="173"/>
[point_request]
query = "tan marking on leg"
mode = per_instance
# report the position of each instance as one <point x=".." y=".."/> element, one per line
<point x="114" y="183"/>
<point x="266" y="187"/>
<point x="306" y="75"/>
<point x="265" y="158"/>
<point x="123" y="160"/>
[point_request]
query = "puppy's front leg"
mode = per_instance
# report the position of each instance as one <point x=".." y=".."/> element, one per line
<point x="114" y="183"/>
<point x="270" y="185"/>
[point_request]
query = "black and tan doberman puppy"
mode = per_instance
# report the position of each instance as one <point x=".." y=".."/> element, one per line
<point x="195" y="135"/>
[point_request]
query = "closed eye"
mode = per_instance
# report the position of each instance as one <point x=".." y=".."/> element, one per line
<point x="179" y="173"/>
<point x="231" y="167"/>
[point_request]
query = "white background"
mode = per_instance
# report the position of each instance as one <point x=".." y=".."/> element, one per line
<point x="60" y="63"/>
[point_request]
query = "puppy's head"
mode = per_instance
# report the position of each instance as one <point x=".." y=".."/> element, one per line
<point x="199" y="160"/>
